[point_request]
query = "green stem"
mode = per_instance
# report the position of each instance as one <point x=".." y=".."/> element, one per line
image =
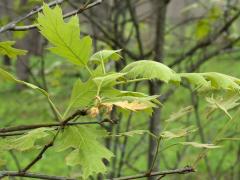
<point x="66" y="112"/>
<point x="103" y="67"/>
<point x="55" y="109"/>
<point x="90" y="72"/>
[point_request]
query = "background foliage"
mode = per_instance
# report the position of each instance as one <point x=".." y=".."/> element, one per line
<point x="123" y="45"/>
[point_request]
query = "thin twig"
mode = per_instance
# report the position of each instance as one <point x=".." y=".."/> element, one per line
<point x="63" y="123"/>
<point x="13" y="27"/>
<point x="36" y="126"/>
<point x="31" y="175"/>
<point x="168" y="172"/>
<point x="207" y="41"/>
<point x="155" y="156"/>
<point x="39" y="156"/>
<point x="10" y="26"/>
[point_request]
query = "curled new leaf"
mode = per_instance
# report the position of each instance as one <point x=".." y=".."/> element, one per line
<point x="105" y="55"/>
<point x="136" y="132"/>
<point x="107" y="79"/>
<point x="199" y="145"/>
<point x="212" y="81"/>
<point x="150" y="70"/>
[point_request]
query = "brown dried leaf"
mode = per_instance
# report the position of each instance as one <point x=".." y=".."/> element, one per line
<point x="133" y="106"/>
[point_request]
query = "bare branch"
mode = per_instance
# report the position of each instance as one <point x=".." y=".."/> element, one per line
<point x="207" y="41"/>
<point x="34" y="11"/>
<point x="31" y="175"/>
<point x="12" y="26"/>
<point x="136" y="25"/>
<point x="163" y="173"/>
<point x="63" y="123"/>
<point x="36" y="126"/>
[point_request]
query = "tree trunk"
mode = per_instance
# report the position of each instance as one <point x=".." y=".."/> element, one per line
<point x="154" y="124"/>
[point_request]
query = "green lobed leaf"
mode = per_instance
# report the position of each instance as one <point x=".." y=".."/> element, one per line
<point x="29" y="140"/>
<point x="7" y="49"/>
<point x="83" y="95"/>
<point x="105" y="55"/>
<point x="86" y="150"/>
<point x="64" y="36"/>
<point x="150" y="70"/>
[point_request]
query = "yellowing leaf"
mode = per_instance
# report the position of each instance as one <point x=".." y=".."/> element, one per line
<point x="199" y="145"/>
<point x="64" y="36"/>
<point x="86" y="150"/>
<point x="133" y="106"/>
<point x="7" y="49"/>
<point x="150" y="100"/>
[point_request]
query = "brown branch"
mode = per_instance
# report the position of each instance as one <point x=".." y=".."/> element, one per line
<point x="36" y="126"/>
<point x="13" y="27"/>
<point x="113" y="41"/>
<point x="31" y="175"/>
<point x="63" y="123"/>
<point x="207" y="41"/>
<point x="132" y="11"/>
<point x="163" y="173"/>
<point x="212" y="54"/>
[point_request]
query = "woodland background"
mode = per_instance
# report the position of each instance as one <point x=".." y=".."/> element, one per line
<point x="186" y="35"/>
